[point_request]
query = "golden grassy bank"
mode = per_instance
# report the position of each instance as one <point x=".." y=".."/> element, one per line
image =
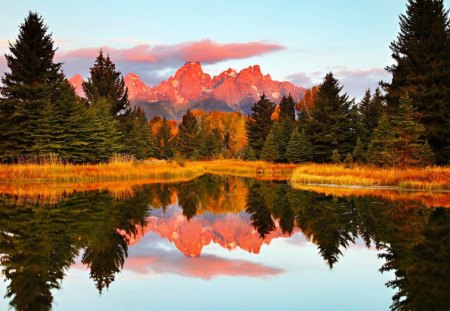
<point x="432" y="178"/>
<point x="114" y="170"/>
<point x="254" y="169"/>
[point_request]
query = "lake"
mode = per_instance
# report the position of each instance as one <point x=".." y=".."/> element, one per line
<point x="222" y="243"/>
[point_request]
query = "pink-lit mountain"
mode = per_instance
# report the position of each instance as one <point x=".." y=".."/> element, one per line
<point x="230" y="231"/>
<point x="190" y="87"/>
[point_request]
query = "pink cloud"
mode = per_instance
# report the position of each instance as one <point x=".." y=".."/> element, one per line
<point x="206" y="51"/>
<point x="205" y="267"/>
<point x="355" y="80"/>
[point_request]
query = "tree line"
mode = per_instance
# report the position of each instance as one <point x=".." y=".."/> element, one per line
<point x="403" y="123"/>
<point x="41" y="114"/>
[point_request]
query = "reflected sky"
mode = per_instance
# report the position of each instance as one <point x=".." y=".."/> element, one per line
<point x="157" y="276"/>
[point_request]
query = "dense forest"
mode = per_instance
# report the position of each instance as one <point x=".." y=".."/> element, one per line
<point x="403" y="123"/>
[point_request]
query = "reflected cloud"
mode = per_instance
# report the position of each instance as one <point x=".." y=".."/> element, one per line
<point x="204" y="267"/>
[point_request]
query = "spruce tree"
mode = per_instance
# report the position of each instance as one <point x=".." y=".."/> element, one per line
<point x="106" y="82"/>
<point x="358" y="152"/>
<point x="370" y="110"/>
<point x="410" y="145"/>
<point x="188" y="135"/>
<point x="299" y="148"/>
<point x="270" y="149"/>
<point x="209" y="144"/>
<point x="422" y="68"/>
<point x="164" y="143"/>
<point x="286" y="123"/>
<point x="335" y="156"/>
<point x="381" y="149"/>
<point x="259" y="123"/>
<point x="248" y="153"/>
<point x="105" y="138"/>
<point x="138" y="140"/>
<point x="278" y="129"/>
<point x="332" y="121"/>
<point x="287" y="108"/>
<point x="427" y="155"/>
<point x="29" y="90"/>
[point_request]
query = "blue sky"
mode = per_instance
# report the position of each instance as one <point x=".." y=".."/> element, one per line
<point x="296" y="40"/>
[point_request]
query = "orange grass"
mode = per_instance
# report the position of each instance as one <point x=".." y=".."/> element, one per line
<point x="53" y="181"/>
<point x="254" y="169"/>
<point x="428" y="199"/>
<point x="114" y="170"/>
<point x="53" y="192"/>
<point x="431" y="178"/>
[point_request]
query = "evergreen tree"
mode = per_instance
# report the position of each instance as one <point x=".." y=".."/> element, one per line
<point x="370" y="110"/>
<point x="210" y="144"/>
<point x="138" y="140"/>
<point x="278" y="129"/>
<point x="286" y="125"/>
<point x="410" y="146"/>
<point x="358" y="152"/>
<point x="335" y="156"/>
<point x="287" y="108"/>
<point x="80" y="130"/>
<point x="259" y="123"/>
<point x="188" y="135"/>
<point x="270" y="149"/>
<point x="427" y="155"/>
<point x="299" y="147"/>
<point x="164" y="143"/>
<point x="348" y="160"/>
<point x="422" y="68"/>
<point x="105" y="138"/>
<point x="332" y="122"/>
<point x="248" y="153"/>
<point x="106" y="82"/>
<point x="29" y="91"/>
<point x="381" y="149"/>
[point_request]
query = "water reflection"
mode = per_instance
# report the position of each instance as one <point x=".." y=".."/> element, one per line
<point x="40" y="241"/>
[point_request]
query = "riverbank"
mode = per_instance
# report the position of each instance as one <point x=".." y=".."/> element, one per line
<point x="429" y="179"/>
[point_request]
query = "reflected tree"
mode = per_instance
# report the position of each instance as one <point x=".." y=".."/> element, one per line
<point x="39" y="242"/>
<point x="260" y="214"/>
<point x="330" y="223"/>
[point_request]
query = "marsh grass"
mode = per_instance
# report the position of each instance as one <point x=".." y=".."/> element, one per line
<point x="430" y="178"/>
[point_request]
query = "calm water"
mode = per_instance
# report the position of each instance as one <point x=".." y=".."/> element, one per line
<point x="222" y="243"/>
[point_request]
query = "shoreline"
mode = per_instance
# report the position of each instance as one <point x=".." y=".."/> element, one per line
<point x="431" y="179"/>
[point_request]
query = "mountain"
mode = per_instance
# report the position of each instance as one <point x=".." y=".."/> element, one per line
<point x="230" y="231"/>
<point x="77" y="81"/>
<point x="191" y="88"/>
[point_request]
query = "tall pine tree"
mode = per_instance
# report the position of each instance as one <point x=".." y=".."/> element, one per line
<point x="381" y="149"/>
<point x="30" y="93"/>
<point x="138" y="138"/>
<point x="106" y="82"/>
<point x="164" y="141"/>
<point x="299" y="148"/>
<point x="422" y="68"/>
<point x="410" y="149"/>
<point x="270" y="148"/>
<point x="188" y="135"/>
<point x="332" y="123"/>
<point x="259" y="123"/>
<point x="370" y="110"/>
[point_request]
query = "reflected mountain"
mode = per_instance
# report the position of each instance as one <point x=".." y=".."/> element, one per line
<point x="39" y="241"/>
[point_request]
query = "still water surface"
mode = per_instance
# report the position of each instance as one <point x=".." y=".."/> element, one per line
<point x="222" y="243"/>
